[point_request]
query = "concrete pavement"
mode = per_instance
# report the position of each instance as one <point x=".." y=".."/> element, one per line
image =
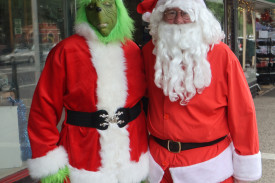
<point x="265" y="111"/>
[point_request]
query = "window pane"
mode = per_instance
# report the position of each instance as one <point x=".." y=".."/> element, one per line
<point x="246" y="39"/>
<point x="28" y="32"/>
<point x="217" y="8"/>
<point x="265" y="45"/>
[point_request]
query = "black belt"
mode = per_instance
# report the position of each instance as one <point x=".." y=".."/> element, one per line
<point x="101" y="120"/>
<point x="177" y="147"/>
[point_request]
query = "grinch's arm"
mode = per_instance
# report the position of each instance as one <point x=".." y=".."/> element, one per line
<point x="60" y="177"/>
<point x="48" y="157"/>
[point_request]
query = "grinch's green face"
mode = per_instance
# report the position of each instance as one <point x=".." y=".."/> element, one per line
<point x="102" y="14"/>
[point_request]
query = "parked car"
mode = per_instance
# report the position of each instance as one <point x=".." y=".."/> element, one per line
<point x="22" y="54"/>
<point x="46" y="48"/>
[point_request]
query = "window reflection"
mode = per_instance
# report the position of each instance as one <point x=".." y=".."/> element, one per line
<point x="28" y="31"/>
<point x="217" y="8"/>
<point x="247" y="40"/>
<point x="265" y="45"/>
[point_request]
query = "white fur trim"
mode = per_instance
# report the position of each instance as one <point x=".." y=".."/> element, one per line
<point x="48" y="164"/>
<point x="115" y="154"/>
<point x="109" y="62"/>
<point x="247" y="168"/>
<point x="110" y="65"/>
<point x="84" y="176"/>
<point x="202" y="2"/>
<point x="156" y="173"/>
<point x="83" y="29"/>
<point x="136" y="171"/>
<point x="177" y="3"/>
<point x="216" y="169"/>
<point x="131" y="172"/>
<point x="146" y="17"/>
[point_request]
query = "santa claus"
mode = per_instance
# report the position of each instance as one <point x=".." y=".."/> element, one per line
<point x="201" y="113"/>
<point x="97" y="76"/>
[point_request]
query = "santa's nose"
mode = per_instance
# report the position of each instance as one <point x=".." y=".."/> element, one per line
<point x="179" y="19"/>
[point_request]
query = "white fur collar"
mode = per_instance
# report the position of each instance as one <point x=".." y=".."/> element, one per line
<point x="83" y="29"/>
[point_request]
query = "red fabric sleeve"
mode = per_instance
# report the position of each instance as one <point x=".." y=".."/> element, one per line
<point x="47" y="105"/>
<point x="241" y="110"/>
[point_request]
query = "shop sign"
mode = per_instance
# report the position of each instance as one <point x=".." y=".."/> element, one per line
<point x="17" y="26"/>
<point x="263" y="34"/>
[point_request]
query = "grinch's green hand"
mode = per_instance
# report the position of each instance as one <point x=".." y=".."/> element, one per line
<point x="61" y="176"/>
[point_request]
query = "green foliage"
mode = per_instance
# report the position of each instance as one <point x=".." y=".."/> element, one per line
<point x="273" y="1"/>
<point x="217" y="9"/>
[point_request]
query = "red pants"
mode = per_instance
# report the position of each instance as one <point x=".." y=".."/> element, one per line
<point x="168" y="179"/>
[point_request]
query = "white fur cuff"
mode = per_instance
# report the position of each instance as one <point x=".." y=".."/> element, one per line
<point x="247" y="168"/>
<point x="48" y="164"/>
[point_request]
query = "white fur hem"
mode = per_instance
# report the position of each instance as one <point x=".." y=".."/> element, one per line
<point x="48" y="164"/>
<point x="133" y="173"/>
<point x="216" y="169"/>
<point x="247" y="168"/>
<point x="156" y="173"/>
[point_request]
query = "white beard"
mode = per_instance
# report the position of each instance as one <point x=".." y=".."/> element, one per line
<point x="181" y="68"/>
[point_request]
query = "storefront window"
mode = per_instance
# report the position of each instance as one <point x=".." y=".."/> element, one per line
<point x="246" y="39"/>
<point x="29" y="29"/>
<point x="265" y="45"/>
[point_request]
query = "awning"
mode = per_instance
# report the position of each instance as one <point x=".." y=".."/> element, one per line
<point x="263" y="4"/>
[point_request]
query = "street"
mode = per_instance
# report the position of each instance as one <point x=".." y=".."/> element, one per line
<point x="265" y="111"/>
<point x="25" y="78"/>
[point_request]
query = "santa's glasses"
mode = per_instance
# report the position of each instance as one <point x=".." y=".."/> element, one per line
<point x="172" y="14"/>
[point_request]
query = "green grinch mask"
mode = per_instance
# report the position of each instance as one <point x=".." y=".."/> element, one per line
<point x="123" y="28"/>
<point x="102" y="14"/>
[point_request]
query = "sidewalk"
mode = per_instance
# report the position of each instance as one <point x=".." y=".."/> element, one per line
<point x="265" y="111"/>
<point x="265" y="89"/>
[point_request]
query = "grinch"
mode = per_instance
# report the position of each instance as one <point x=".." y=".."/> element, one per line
<point x="96" y="78"/>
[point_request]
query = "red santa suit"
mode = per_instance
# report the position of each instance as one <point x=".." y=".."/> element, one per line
<point x="83" y="74"/>
<point x="224" y="108"/>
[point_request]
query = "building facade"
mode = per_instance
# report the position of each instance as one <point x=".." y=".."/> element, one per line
<point x="29" y="29"/>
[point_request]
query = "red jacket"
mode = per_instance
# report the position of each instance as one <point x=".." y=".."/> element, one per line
<point x="82" y="74"/>
<point x="224" y="108"/>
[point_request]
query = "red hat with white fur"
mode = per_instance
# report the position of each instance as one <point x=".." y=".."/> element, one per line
<point x="147" y="6"/>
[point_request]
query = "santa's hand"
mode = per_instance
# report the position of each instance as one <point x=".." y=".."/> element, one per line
<point x="61" y="176"/>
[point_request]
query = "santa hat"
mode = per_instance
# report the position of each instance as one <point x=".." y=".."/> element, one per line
<point x="147" y="6"/>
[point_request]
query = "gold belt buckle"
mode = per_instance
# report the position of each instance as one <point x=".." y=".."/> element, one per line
<point x="168" y="146"/>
